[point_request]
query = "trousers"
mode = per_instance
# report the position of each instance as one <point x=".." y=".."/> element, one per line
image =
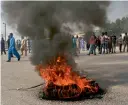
<point x="125" y="45"/>
<point x="92" y="49"/>
<point x="14" y="52"/>
<point x="3" y="50"/>
<point x="120" y="47"/>
<point x="113" y="47"/>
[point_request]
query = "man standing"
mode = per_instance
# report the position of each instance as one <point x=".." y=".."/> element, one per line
<point x="87" y="45"/>
<point x="8" y="41"/>
<point x="19" y="44"/>
<point x="113" y="44"/>
<point x="78" y="44"/>
<point x="110" y="44"/>
<point x="125" y="42"/>
<point x="12" y="49"/>
<point x="102" y="46"/>
<point x="92" y="45"/>
<point x="82" y="44"/>
<point x="98" y="42"/>
<point x="74" y="45"/>
<point x="29" y="45"/>
<point x="106" y="42"/>
<point x="3" y="46"/>
<point x="23" y="46"/>
<point x="120" y="42"/>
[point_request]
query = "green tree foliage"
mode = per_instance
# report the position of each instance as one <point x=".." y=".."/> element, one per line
<point x="117" y="27"/>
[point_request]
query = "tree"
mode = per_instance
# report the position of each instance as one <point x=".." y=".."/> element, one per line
<point x="117" y="27"/>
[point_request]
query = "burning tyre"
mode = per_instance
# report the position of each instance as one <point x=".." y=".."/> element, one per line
<point x="62" y="83"/>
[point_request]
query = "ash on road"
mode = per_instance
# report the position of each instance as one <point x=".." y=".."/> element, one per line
<point x="110" y="71"/>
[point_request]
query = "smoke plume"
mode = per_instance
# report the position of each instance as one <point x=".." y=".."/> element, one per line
<point x="45" y="23"/>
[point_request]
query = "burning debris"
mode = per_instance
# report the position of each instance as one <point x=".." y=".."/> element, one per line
<point x="63" y="83"/>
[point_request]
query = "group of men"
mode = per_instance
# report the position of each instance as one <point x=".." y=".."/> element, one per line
<point x="107" y="44"/>
<point x="77" y="44"/>
<point x="12" y="47"/>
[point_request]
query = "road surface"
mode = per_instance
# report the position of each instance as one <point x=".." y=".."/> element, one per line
<point x="110" y="71"/>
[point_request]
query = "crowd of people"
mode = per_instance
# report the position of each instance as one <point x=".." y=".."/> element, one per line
<point x="13" y="46"/>
<point x="105" y="43"/>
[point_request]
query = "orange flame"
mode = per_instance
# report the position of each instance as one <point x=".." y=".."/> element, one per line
<point x="61" y="74"/>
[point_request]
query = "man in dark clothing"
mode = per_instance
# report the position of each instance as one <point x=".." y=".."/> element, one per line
<point x="113" y="44"/>
<point x="8" y="41"/>
<point x="120" y="42"/>
<point x="110" y="44"/>
<point x="87" y="45"/>
<point x="125" y="42"/>
<point x="98" y="44"/>
<point x="29" y="45"/>
<point x="3" y="46"/>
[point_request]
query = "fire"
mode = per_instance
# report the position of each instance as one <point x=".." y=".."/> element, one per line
<point x="60" y="77"/>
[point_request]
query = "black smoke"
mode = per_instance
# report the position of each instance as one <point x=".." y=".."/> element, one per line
<point x="42" y="21"/>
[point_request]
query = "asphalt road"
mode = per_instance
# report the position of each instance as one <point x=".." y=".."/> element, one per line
<point x="110" y="71"/>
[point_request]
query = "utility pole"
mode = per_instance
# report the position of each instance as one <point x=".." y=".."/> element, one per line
<point x="5" y="30"/>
